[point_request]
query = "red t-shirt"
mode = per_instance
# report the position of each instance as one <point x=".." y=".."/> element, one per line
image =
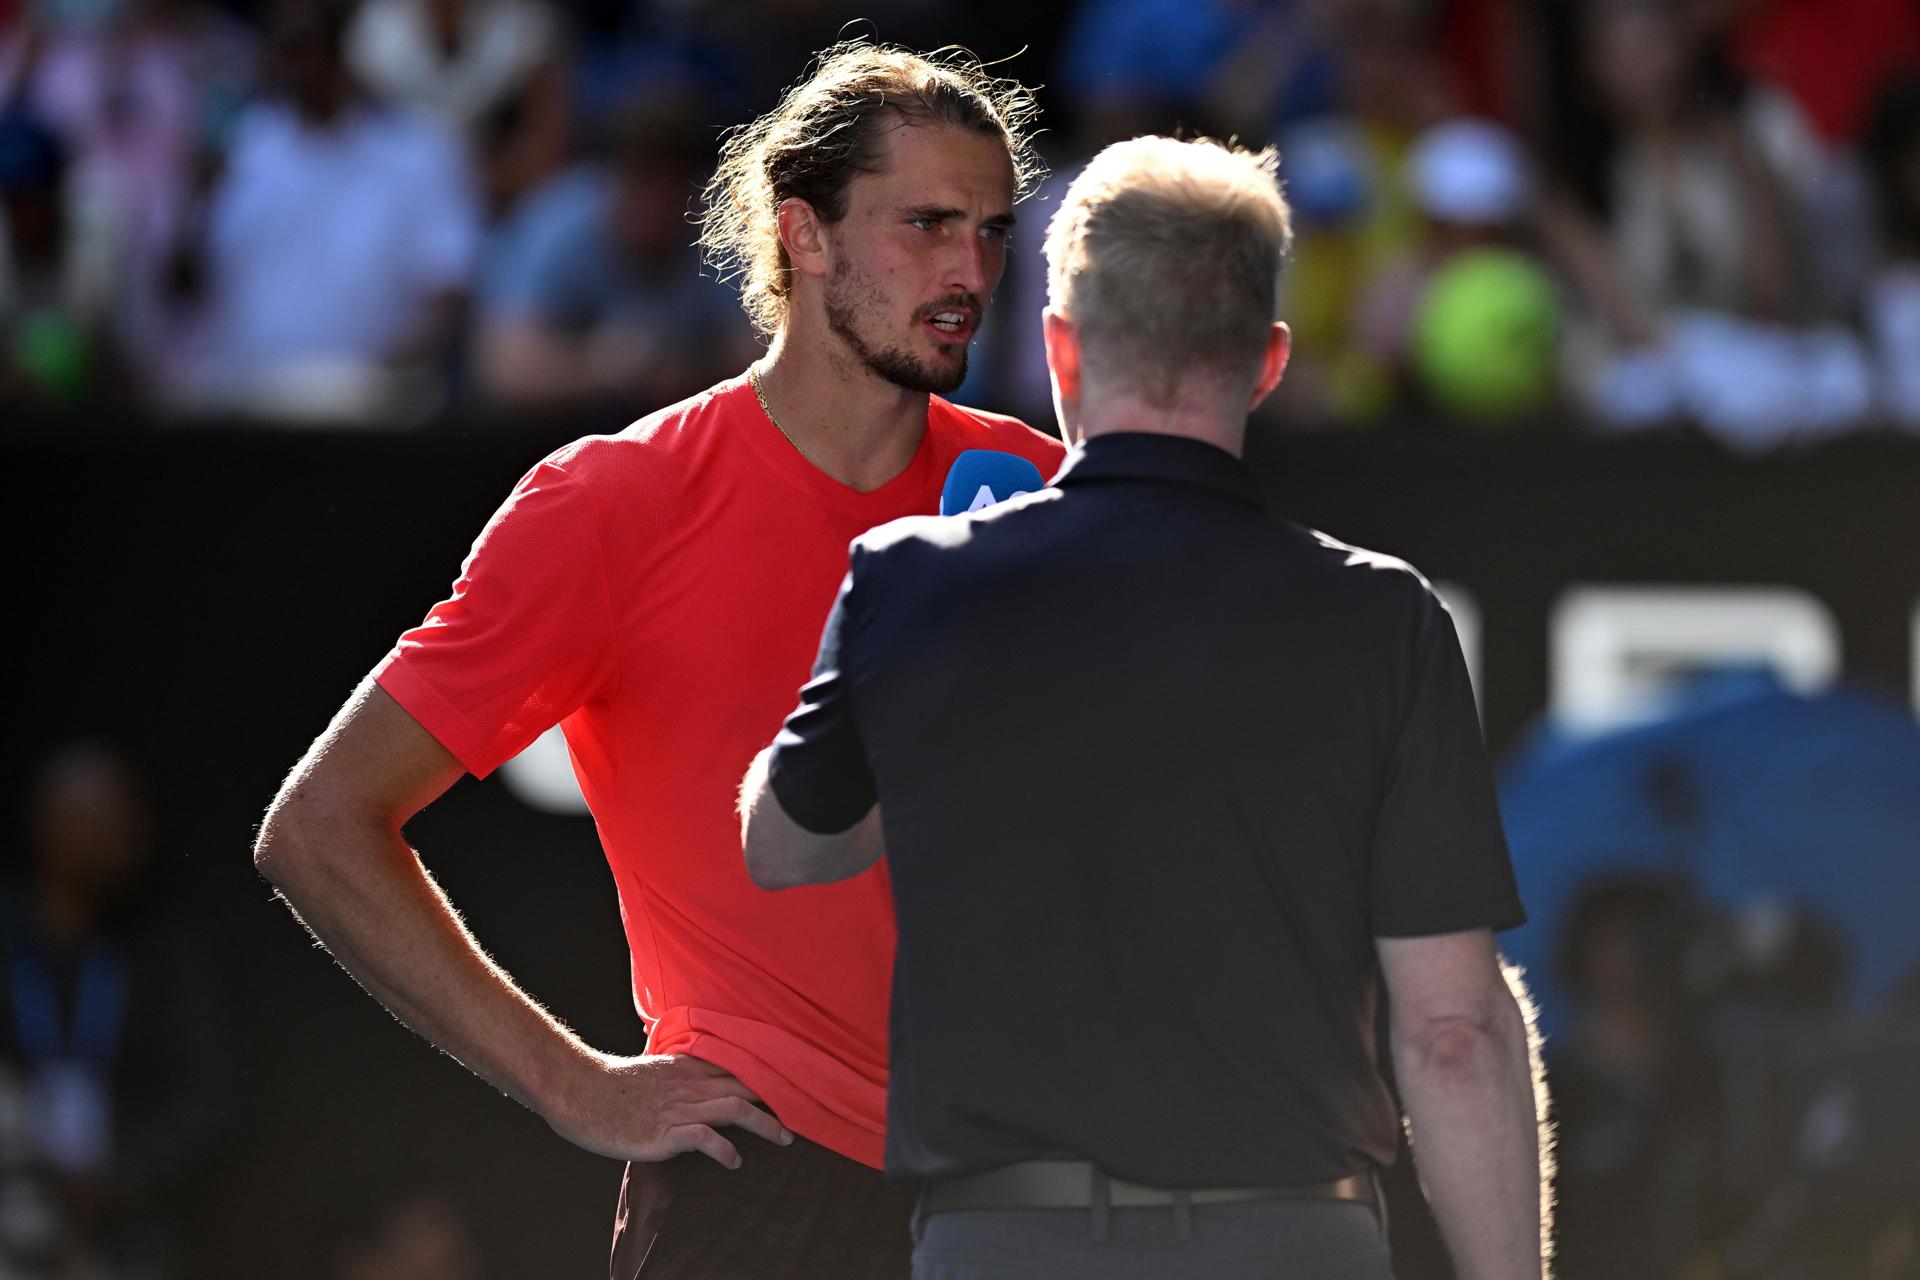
<point x="660" y="593"/>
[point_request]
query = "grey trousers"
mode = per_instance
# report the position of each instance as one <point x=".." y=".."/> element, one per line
<point x="1303" y="1239"/>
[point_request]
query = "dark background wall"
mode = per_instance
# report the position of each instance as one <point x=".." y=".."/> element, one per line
<point x="209" y="597"/>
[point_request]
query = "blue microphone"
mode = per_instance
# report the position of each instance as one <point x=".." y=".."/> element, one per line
<point x="982" y="477"/>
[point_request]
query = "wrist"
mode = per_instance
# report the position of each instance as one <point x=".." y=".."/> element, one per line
<point x="559" y="1083"/>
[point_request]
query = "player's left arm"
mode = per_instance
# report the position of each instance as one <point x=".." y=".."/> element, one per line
<point x="782" y="854"/>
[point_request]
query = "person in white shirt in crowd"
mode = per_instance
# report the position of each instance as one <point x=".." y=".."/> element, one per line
<point x="339" y="247"/>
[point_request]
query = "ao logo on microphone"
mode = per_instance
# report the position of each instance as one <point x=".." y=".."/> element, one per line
<point x="982" y="477"/>
<point x="984" y="498"/>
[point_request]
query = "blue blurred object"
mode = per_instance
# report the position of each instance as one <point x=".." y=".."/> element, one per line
<point x="31" y="158"/>
<point x="1325" y="168"/>
<point x="1159" y="50"/>
<point x="1749" y="795"/>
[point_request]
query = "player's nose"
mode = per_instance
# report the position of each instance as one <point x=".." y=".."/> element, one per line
<point x="970" y="269"/>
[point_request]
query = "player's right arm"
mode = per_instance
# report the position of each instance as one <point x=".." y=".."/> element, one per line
<point x="1462" y="1059"/>
<point x="1439" y="884"/>
<point x="332" y="845"/>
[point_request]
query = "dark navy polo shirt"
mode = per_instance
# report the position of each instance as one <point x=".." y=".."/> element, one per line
<point x="1156" y="768"/>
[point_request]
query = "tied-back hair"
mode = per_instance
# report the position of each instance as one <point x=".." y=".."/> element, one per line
<point x="1166" y="255"/>
<point x="827" y="129"/>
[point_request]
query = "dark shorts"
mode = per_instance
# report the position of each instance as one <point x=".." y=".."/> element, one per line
<point x="789" y="1212"/>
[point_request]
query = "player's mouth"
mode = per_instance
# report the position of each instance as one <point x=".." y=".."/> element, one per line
<point x="952" y="324"/>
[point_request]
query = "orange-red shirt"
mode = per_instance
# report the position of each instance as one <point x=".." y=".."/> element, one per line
<point x="660" y="593"/>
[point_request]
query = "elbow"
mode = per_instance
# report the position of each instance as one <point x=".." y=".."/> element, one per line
<point x="767" y="879"/>
<point x="294" y="835"/>
<point x="273" y="847"/>
<point x="1454" y="1046"/>
<point x="769" y="864"/>
<point x="1463" y="1045"/>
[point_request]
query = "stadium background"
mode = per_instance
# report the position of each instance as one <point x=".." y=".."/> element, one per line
<point x="203" y="568"/>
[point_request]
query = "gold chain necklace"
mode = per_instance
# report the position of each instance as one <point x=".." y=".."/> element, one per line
<point x="760" y="394"/>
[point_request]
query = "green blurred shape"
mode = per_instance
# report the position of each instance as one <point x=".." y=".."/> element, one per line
<point x="52" y="351"/>
<point x="1485" y="335"/>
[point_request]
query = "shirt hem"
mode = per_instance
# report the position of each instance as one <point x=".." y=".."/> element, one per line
<point x="798" y="1107"/>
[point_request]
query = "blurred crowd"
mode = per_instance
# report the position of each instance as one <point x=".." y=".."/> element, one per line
<point x="1623" y="213"/>
<point x="115" y="1068"/>
<point x="1718" y="1112"/>
<point x="1627" y="212"/>
<point x="118" y="1063"/>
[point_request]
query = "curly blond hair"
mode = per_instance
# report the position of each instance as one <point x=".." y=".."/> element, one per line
<point x="826" y="130"/>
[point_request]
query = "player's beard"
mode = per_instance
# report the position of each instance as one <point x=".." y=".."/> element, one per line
<point x="849" y="296"/>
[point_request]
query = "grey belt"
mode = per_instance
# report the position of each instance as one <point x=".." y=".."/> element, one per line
<point x="1071" y="1184"/>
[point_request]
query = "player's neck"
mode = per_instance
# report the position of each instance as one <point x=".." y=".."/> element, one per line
<point x="851" y="423"/>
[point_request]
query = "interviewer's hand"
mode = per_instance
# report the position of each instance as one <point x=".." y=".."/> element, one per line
<point x="656" y="1106"/>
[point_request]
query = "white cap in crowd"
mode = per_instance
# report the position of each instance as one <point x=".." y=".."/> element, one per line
<point x="1469" y="171"/>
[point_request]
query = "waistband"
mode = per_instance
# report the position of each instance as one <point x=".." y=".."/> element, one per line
<point x="1079" y="1184"/>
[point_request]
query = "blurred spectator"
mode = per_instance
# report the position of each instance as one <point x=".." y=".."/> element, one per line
<point x="144" y="101"/>
<point x="1820" y="1119"/>
<point x="1892" y="301"/>
<point x="1769" y="967"/>
<point x="1694" y="213"/>
<point x="1355" y="217"/>
<point x="1684" y="254"/>
<point x="1467" y="323"/>
<point x="58" y="258"/>
<point x="594" y="292"/>
<point x="491" y="70"/>
<point x="112" y="1041"/>
<point x="1633" y="1087"/>
<point x="339" y="246"/>
<point x="1830" y="57"/>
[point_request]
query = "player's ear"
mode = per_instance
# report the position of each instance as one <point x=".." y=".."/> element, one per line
<point x="1274" y="363"/>
<point x="1063" y="352"/>
<point x="804" y="236"/>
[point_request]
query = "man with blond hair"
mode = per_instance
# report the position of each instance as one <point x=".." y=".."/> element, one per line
<point x="658" y="593"/>
<point x="1150" y="892"/>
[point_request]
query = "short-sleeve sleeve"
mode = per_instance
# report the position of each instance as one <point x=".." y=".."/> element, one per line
<point x="1439" y="858"/>
<point x="525" y="638"/>
<point x="819" y="770"/>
